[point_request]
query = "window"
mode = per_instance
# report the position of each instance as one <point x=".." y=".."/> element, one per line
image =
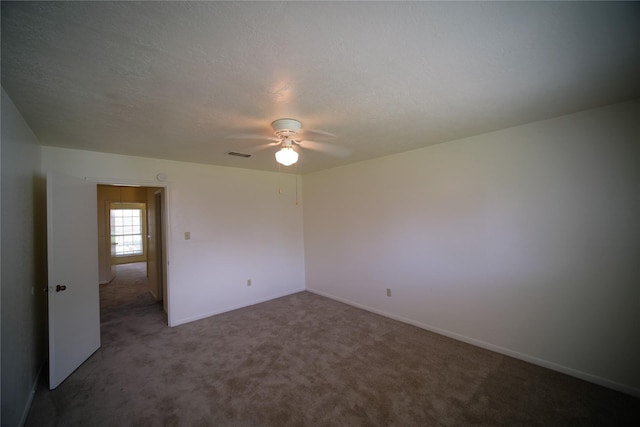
<point x="127" y="229"/>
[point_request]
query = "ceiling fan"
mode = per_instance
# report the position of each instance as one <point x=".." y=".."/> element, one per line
<point x="288" y="134"/>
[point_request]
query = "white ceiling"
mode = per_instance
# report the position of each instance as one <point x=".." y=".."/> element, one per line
<point x="174" y="80"/>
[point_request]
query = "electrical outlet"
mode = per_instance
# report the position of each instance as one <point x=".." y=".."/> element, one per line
<point x="388" y="292"/>
<point x="248" y="282"/>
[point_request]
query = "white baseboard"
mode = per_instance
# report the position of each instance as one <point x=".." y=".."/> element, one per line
<point x="34" y="387"/>
<point x="516" y="355"/>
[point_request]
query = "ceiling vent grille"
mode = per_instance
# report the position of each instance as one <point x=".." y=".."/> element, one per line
<point x="236" y="154"/>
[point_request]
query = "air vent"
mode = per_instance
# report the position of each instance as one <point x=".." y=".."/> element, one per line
<point x="233" y="153"/>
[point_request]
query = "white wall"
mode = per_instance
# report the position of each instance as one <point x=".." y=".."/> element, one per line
<point x="23" y="343"/>
<point x="525" y="241"/>
<point x="241" y="229"/>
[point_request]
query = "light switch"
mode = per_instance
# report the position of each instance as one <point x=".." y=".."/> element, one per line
<point x="187" y="235"/>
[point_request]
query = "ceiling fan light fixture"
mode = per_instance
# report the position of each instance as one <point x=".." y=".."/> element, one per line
<point x="286" y="156"/>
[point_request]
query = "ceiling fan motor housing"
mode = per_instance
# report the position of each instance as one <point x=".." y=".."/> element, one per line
<point x="286" y="127"/>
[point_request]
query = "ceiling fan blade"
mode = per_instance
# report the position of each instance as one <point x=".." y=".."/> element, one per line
<point x="263" y="147"/>
<point x="318" y="132"/>
<point x="252" y="136"/>
<point x="324" y="147"/>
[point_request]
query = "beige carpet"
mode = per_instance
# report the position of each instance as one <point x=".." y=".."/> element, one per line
<point x="304" y="360"/>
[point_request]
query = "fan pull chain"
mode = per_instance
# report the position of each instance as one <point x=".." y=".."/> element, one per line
<point x="296" y="184"/>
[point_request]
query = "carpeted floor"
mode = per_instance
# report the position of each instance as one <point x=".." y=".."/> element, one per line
<point x="305" y="360"/>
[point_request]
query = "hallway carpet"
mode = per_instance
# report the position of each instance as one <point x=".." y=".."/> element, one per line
<point x="305" y="360"/>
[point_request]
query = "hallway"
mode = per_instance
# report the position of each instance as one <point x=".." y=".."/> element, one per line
<point x="126" y="292"/>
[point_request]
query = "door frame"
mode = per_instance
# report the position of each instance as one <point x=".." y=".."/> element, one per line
<point x="159" y="197"/>
<point x="166" y="221"/>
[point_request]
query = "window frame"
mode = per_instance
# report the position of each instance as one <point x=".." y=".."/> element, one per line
<point x="124" y="259"/>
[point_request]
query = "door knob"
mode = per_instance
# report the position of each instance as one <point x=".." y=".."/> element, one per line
<point x="60" y="288"/>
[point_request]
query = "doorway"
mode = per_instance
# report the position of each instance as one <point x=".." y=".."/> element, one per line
<point x="131" y="245"/>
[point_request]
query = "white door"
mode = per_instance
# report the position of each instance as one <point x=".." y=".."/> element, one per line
<point x="72" y="252"/>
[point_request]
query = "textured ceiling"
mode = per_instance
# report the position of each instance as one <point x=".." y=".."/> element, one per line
<point x="174" y="80"/>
